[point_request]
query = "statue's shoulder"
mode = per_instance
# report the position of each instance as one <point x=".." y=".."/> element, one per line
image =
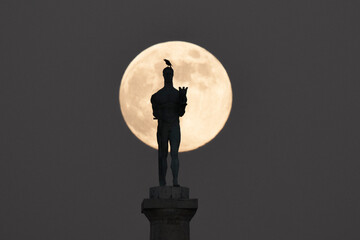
<point x="156" y="95"/>
<point x="153" y="97"/>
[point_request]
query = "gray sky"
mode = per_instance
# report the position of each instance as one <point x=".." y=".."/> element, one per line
<point x="286" y="165"/>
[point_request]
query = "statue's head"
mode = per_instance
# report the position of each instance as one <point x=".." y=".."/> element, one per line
<point x="168" y="74"/>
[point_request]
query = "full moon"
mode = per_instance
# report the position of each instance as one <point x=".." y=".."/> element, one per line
<point x="209" y="92"/>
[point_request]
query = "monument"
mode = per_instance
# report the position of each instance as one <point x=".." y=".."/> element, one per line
<point x="169" y="208"/>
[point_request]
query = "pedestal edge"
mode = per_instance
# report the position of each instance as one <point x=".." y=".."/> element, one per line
<point x="169" y="203"/>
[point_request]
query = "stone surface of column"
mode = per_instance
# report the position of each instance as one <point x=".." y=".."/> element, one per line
<point x="169" y="211"/>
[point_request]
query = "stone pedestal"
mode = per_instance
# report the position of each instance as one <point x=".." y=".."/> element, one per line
<point x="169" y="211"/>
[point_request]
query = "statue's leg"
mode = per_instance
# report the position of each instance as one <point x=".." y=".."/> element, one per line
<point x="174" y="150"/>
<point x="162" y="136"/>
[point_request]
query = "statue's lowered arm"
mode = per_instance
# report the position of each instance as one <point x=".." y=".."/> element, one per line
<point x="155" y="108"/>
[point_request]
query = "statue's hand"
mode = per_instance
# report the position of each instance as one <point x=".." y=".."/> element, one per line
<point x="182" y="94"/>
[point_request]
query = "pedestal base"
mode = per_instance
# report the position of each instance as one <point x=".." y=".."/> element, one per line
<point x="169" y="211"/>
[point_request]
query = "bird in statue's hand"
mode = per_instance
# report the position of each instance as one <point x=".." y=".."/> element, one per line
<point x="182" y="94"/>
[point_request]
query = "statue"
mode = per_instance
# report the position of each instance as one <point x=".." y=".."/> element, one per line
<point x="168" y="105"/>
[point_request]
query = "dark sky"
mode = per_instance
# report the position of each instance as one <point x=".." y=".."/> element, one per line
<point x="286" y="165"/>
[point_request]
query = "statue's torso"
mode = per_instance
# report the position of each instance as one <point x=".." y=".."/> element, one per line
<point x="166" y="101"/>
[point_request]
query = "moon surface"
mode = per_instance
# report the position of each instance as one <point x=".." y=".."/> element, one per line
<point x="209" y="94"/>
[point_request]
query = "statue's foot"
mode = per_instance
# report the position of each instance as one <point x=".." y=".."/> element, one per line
<point x="176" y="185"/>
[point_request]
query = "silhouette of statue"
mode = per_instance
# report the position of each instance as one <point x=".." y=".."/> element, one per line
<point x="168" y="105"/>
